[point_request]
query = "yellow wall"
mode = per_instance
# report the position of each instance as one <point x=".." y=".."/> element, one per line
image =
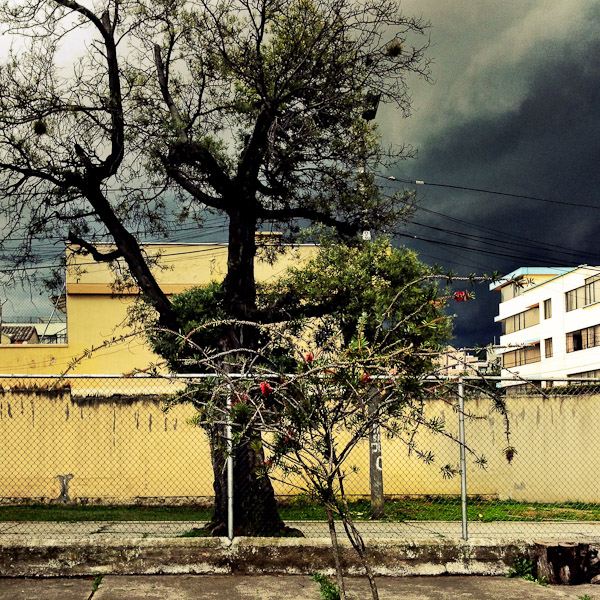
<point x="95" y="312"/>
<point x="115" y="450"/>
<point x="121" y="448"/>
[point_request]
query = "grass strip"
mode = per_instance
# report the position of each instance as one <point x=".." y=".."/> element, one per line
<point x="433" y="508"/>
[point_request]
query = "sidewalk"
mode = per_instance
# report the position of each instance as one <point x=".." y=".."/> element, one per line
<point x="195" y="587"/>
<point x="407" y="530"/>
<point x="143" y="549"/>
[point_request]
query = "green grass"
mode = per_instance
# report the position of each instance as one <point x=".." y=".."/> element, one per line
<point x="45" y="512"/>
<point x="431" y="508"/>
<point x="444" y="508"/>
<point x="97" y="582"/>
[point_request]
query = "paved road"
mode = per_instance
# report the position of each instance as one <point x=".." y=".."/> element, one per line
<point x="198" y="587"/>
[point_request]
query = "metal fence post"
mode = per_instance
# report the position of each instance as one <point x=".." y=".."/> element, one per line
<point x="463" y="461"/>
<point x="228" y="433"/>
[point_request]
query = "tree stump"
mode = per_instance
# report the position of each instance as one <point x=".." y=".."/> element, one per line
<point x="566" y="563"/>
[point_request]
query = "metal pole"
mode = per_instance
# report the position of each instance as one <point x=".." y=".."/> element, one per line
<point x="229" y="471"/>
<point x="463" y="461"/>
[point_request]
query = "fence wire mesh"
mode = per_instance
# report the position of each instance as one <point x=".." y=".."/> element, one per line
<point x="103" y="456"/>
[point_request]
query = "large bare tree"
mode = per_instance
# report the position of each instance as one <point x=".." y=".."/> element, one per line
<point x="116" y="115"/>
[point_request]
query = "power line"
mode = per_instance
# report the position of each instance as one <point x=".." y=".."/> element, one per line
<point x="202" y="229"/>
<point x="486" y="191"/>
<point x="507" y="241"/>
<point x="540" y="261"/>
<point x="510" y="244"/>
<point x="221" y="250"/>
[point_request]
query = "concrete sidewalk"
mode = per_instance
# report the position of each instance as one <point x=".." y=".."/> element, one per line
<point x="406" y="530"/>
<point x="194" y="587"/>
<point x="397" y="549"/>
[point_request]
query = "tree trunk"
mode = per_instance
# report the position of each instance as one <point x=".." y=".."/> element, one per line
<point x="356" y="539"/>
<point x="567" y="563"/>
<point x="254" y="505"/>
<point x="240" y="286"/>
<point x="358" y="544"/>
<point x="336" y="551"/>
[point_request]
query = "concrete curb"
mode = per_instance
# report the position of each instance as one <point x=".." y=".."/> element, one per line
<point x="62" y="557"/>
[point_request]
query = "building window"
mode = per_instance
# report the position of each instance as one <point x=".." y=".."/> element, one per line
<point x="547" y="308"/>
<point x="528" y="318"/>
<point x="595" y="374"/>
<point x="522" y="356"/>
<point x="592" y="289"/>
<point x="583" y="338"/>
<point x="575" y="299"/>
<point x="548" y="348"/>
<point x="510" y="291"/>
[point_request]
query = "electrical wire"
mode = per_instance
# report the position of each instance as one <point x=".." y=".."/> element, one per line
<point x="486" y="191"/>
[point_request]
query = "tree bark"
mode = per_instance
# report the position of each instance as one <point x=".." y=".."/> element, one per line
<point x="567" y="563"/>
<point x="240" y="287"/>
<point x="336" y="552"/>
<point x="254" y="504"/>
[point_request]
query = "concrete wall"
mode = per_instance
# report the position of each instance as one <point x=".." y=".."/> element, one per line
<point x="123" y="448"/>
<point x="115" y="448"/>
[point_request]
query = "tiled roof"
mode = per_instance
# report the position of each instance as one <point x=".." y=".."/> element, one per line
<point x="19" y="333"/>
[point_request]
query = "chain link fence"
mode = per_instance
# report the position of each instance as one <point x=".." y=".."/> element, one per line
<point x="103" y="456"/>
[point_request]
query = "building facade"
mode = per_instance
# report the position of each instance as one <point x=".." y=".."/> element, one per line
<point x="550" y="319"/>
<point x="454" y="362"/>
<point x="97" y="310"/>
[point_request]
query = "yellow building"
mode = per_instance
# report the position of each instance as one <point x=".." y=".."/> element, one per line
<point x="97" y="311"/>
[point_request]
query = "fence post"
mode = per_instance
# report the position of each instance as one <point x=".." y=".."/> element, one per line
<point x="463" y="461"/>
<point x="228" y="434"/>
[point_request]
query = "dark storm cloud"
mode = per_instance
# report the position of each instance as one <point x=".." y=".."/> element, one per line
<point x="525" y="122"/>
<point x="515" y="107"/>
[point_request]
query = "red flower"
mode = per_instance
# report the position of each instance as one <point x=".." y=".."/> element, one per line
<point x="310" y="357"/>
<point x="265" y="388"/>
<point x="462" y="296"/>
<point x="241" y="398"/>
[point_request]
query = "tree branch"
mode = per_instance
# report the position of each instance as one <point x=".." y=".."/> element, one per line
<point x="163" y="81"/>
<point x="91" y="249"/>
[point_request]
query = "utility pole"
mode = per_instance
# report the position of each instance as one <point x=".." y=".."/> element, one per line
<point x="375" y="461"/>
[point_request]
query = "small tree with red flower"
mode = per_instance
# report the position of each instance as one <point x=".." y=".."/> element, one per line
<point x="384" y="325"/>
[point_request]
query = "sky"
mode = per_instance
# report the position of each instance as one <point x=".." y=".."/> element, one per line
<point x="513" y="107"/>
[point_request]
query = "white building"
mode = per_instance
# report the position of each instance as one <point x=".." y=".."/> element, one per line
<point x="550" y="320"/>
<point x="453" y="362"/>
